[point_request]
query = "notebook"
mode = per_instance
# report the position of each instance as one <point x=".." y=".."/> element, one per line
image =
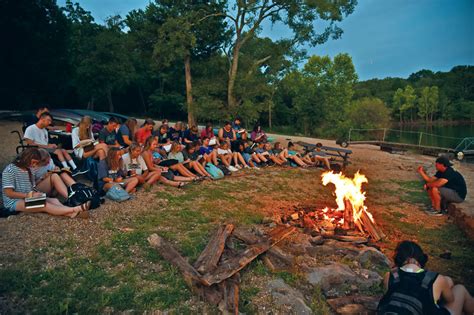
<point x="35" y="202"/>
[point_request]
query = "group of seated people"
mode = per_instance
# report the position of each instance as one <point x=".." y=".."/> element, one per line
<point x="132" y="156"/>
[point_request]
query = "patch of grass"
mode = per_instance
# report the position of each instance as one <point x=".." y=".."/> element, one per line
<point x="245" y="300"/>
<point x="412" y="192"/>
<point x="291" y="279"/>
<point x="318" y="302"/>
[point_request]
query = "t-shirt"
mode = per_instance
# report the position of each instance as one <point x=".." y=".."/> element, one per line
<point x="108" y="137"/>
<point x="79" y="151"/>
<point x="207" y="134"/>
<point x="123" y="131"/>
<point x="104" y="171"/>
<point x="162" y="138"/>
<point x="137" y="164"/>
<point x="175" y="134"/>
<point x="191" y="136"/>
<point x="39" y="136"/>
<point x="177" y="156"/>
<point x="142" y="134"/>
<point x="191" y="156"/>
<point x="205" y="150"/>
<point x="18" y="179"/>
<point x="455" y="181"/>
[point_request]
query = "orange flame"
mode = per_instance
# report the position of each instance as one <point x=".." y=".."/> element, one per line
<point x="349" y="189"/>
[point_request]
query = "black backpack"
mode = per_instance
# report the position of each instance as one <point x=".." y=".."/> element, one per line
<point x="224" y="170"/>
<point x="80" y="194"/>
<point x="408" y="296"/>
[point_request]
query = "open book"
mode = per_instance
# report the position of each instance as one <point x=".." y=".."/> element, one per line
<point x="35" y="202"/>
<point x="167" y="147"/>
<point x="87" y="142"/>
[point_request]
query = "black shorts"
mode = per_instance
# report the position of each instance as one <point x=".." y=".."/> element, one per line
<point x="168" y="163"/>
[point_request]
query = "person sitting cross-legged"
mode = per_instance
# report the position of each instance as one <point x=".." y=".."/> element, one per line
<point x="446" y="186"/>
<point x="110" y="172"/>
<point x="411" y="289"/>
<point x="135" y="166"/>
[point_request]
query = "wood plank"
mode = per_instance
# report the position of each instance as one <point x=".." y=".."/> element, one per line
<point x="191" y="275"/>
<point x="234" y="265"/>
<point x="210" y="256"/>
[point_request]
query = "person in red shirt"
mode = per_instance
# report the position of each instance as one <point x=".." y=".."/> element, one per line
<point x="145" y="131"/>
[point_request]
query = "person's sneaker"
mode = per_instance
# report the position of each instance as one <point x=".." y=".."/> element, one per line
<point x="232" y="169"/>
<point x="246" y="166"/>
<point x="433" y="212"/>
<point x="238" y="167"/>
<point x="78" y="172"/>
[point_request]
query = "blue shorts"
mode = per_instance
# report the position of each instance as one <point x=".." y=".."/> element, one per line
<point x="246" y="157"/>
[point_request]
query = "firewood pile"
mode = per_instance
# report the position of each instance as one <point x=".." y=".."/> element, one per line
<point x="215" y="274"/>
<point x="330" y="223"/>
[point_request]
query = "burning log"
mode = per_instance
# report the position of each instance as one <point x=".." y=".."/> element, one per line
<point x="371" y="228"/>
<point x="348" y="216"/>
<point x="346" y="238"/>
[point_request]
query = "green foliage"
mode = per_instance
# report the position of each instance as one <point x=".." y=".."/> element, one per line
<point x="368" y="113"/>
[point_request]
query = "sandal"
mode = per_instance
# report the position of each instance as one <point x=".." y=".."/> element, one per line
<point x="180" y="185"/>
<point x="83" y="212"/>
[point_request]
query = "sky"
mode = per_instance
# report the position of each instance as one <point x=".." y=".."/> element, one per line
<point x="386" y="38"/>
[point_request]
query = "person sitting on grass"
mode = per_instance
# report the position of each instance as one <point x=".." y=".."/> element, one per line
<point x="411" y="289"/>
<point x="108" y="134"/>
<point x="50" y="179"/>
<point x="153" y="164"/>
<point x="226" y="156"/>
<point x="319" y="156"/>
<point x="258" y="135"/>
<point x="192" y="155"/>
<point x="84" y="133"/>
<point x="145" y="131"/>
<point x="446" y="186"/>
<point x="37" y="135"/>
<point x="135" y="166"/>
<point x="191" y="135"/>
<point x="261" y="156"/>
<point x="176" y="153"/>
<point x="176" y="133"/>
<point x="269" y="154"/>
<point x="292" y="155"/>
<point x="126" y="132"/>
<point x="208" y="132"/>
<point x="246" y="152"/>
<point x="208" y="153"/>
<point x="227" y="134"/>
<point x="18" y="184"/>
<point x="240" y="132"/>
<point x="110" y="172"/>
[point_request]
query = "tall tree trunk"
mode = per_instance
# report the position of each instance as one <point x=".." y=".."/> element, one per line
<point x="142" y="99"/>
<point x="231" y="101"/>
<point x="109" y="98"/>
<point x="189" y="90"/>
<point x="90" y="103"/>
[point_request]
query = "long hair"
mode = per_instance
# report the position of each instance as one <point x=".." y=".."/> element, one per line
<point x="85" y="128"/>
<point x="148" y="142"/>
<point x="131" y="124"/>
<point x="23" y="160"/>
<point x="114" y="162"/>
<point x="175" y="147"/>
<point x="45" y="157"/>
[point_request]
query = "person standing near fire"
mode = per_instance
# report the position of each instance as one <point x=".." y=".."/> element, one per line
<point x="446" y="186"/>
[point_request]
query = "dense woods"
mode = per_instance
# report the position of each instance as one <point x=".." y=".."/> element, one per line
<point x="205" y="60"/>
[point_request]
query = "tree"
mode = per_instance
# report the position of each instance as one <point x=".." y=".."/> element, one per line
<point x="433" y="100"/>
<point x="246" y="18"/>
<point x="424" y="104"/>
<point x="398" y="101"/>
<point x="368" y="113"/>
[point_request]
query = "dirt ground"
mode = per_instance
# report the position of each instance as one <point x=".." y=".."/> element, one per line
<point x="24" y="236"/>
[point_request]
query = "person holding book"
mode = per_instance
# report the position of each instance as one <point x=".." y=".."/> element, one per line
<point x="19" y="193"/>
<point x="191" y="154"/>
<point x="134" y="165"/>
<point x="37" y="135"/>
<point x="240" y="132"/>
<point x="154" y="162"/>
<point x="126" y="132"/>
<point x="176" y="133"/>
<point x="258" y="135"/>
<point x="207" y="151"/>
<point x="145" y="131"/>
<point x="191" y="135"/>
<point x="108" y="134"/>
<point x="208" y="132"/>
<point x="227" y="134"/>
<point x="183" y="167"/>
<point x="83" y="141"/>
<point x="110" y="172"/>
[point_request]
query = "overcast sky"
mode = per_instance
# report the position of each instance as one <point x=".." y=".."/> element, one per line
<point x="386" y="38"/>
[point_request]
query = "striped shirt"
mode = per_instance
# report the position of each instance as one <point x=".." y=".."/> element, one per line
<point x="18" y="179"/>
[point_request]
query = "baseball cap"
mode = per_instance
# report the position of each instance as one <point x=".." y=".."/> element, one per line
<point x="444" y="161"/>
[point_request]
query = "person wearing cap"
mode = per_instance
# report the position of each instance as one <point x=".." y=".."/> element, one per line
<point x="145" y="131"/>
<point x="446" y="186"/>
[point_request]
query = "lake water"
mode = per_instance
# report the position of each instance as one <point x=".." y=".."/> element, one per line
<point x="437" y="136"/>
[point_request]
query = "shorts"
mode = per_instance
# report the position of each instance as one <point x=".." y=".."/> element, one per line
<point x="168" y="175"/>
<point x="449" y="195"/>
<point x="169" y="162"/>
<point x="246" y="157"/>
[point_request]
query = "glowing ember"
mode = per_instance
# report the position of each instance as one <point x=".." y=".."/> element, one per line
<point x="350" y="190"/>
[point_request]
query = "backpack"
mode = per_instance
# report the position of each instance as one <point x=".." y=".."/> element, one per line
<point x="215" y="172"/>
<point x="79" y="194"/>
<point x="224" y="170"/>
<point x="93" y="174"/>
<point x="407" y="297"/>
<point x="117" y="193"/>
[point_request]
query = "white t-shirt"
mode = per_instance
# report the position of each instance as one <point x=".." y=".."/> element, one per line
<point x="39" y="136"/>
<point x="79" y="151"/>
<point x="137" y="164"/>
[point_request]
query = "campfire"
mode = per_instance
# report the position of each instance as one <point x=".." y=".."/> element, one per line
<point x="350" y="215"/>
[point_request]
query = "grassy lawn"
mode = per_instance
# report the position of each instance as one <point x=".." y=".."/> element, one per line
<point x="123" y="273"/>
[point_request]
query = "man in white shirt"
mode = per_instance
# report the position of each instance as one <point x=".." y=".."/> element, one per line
<point x="37" y="135"/>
